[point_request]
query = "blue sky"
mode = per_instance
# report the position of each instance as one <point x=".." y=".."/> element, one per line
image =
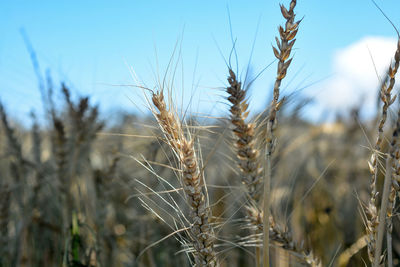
<point x="92" y="44"/>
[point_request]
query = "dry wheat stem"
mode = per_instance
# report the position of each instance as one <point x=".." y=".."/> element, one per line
<point x="201" y="231"/>
<point x="285" y="45"/>
<point x="346" y="255"/>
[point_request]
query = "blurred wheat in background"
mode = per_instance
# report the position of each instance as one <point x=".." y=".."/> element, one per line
<point x="182" y="188"/>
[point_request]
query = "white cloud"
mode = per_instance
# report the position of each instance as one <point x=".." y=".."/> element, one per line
<point x="354" y="75"/>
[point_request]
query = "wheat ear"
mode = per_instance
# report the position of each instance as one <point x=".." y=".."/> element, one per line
<point x="387" y="101"/>
<point x="247" y="153"/>
<point x="249" y="157"/>
<point x="372" y="210"/>
<point x="285" y="45"/>
<point x="201" y="233"/>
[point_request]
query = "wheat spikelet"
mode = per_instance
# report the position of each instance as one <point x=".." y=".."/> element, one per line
<point x="202" y="233"/>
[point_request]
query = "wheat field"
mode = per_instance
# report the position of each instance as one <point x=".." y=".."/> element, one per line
<point x="179" y="188"/>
